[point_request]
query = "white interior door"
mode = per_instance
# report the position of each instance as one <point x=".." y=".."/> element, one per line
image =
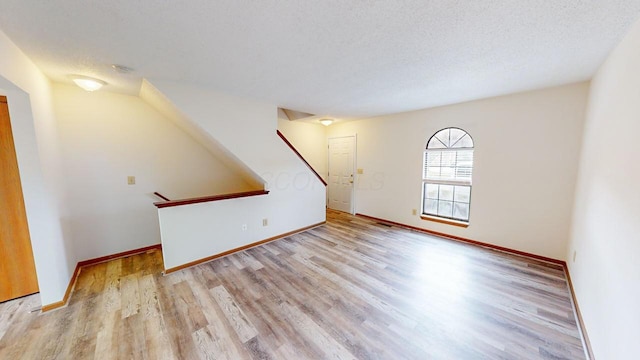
<point x="341" y="165"/>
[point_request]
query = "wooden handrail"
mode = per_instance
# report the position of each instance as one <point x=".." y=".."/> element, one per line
<point x="171" y="203"/>
<point x="300" y="156"/>
<point x="161" y="196"/>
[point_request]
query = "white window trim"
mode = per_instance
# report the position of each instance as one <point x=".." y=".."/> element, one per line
<point x="436" y="218"/>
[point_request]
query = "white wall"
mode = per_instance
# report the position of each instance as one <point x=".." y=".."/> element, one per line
<point x="33" y="124"/>
<point x="158" y="101"/>
<point x="525" y="163"/>
<point x="606" y="225"/>
<point x="105" y="138"/>
<point x="211" y="228"/>
<point x="248" y="130"/>
<point x="310" y="140"/>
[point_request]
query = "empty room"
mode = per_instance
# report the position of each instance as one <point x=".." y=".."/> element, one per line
<point x="319" y="179"/>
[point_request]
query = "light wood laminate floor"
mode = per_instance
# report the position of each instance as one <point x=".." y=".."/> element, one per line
<point x="351" y="289"/>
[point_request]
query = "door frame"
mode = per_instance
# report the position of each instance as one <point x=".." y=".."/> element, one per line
<point x="25" y="264"/>
<point x="355" y="160"/>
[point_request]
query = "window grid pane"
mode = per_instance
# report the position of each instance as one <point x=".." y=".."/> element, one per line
<point x="462" y="194"/>
<point x="430" y="207"/>
<point x="447" y="201"/>
<point x="446" y="193"/>
<point x="461" y="211"/>
<point x="431" y="191"/>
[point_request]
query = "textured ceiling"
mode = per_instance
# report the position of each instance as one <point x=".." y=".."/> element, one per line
<point x="335" y="57"/>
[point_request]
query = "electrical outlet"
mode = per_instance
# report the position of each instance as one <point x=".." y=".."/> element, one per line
<point x="244" y="227"/>
<point x="414" y="211"/>
<point x="265" y="222"/>
<point x="574" y="256"/>
<point x="131" y="180"/>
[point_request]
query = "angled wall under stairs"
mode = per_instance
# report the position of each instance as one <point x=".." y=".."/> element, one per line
<point x="245" y="130"/>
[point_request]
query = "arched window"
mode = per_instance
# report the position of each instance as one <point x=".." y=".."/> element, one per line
<point x="446" y="179"/>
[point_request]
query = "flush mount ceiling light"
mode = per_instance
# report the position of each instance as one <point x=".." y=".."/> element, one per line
<point x="87" y="83"/>
<point x="326" y="122"/>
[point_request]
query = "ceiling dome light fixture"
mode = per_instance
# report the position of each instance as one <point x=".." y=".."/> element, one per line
<point x="326" y="122"/>
<point x="87" y="83"/>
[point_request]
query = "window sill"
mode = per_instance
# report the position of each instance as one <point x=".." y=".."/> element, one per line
<point x="444" y="221"/>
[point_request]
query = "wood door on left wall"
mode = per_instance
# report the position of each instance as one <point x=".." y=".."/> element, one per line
<point x="17" y="268"/>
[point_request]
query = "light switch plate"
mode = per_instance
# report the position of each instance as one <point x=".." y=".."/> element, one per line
<point x="131" y="180"/>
